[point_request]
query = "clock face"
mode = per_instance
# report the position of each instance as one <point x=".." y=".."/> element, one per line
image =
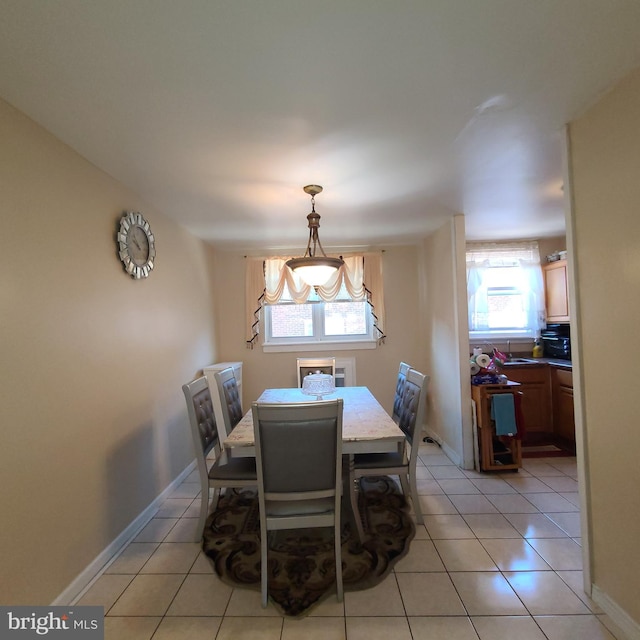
<point x="136" y="245"/>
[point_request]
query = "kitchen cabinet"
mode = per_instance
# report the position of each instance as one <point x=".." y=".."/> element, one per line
<point x="563" y="415"/>
<point x="556" y="287"/>
<point x="497" y="453"/>
<point x="536" y="400"/>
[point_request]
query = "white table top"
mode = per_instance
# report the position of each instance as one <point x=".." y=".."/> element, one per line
<point x="366" y="426"/>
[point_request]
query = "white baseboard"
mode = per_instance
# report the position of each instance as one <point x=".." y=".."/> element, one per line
<point x="451" y="454"/>
<point x="446" y="449"/>
<point x="95" y="569"/>
<point x="619" y="616"/>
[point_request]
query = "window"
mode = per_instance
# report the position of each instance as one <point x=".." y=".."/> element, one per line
<point x="505" y="290"/>
<point x="342" y="320"/>
<point x="344" y="313"/>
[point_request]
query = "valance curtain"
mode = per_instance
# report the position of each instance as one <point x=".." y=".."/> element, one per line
<point x="526" y="257"/>
<point x="276" y="275"/>
<point x="266" y="278"/>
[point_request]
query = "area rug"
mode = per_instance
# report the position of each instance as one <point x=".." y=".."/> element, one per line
<point x="301" y="562"/>
<point x="546" y="451"/>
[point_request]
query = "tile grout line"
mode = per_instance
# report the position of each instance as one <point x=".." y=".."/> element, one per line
<point x="520" y="491"/>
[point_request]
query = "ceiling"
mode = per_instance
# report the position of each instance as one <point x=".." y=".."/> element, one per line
<point x="219" y="112"/>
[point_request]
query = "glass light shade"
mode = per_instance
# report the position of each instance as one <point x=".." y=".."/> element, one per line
<point x="315" y="271"/>
<point x="318" y="384"/>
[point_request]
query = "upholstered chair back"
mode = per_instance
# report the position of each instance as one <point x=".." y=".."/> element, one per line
<point x="403" y="369"/>
<point x="299" y="455"/>
<point x="229" y="402"/>
<point x="201" y="416"/>
<point x="412" y="405"/>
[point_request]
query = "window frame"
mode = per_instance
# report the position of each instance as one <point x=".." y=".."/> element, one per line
<point x="319" y="341"/>
<point x="501" y="256"/>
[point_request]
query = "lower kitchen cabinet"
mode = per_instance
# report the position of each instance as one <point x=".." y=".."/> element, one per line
<point x="536" y="400"/>
<point x="563" y="415"/>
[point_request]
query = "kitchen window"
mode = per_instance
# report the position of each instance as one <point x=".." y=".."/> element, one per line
<point x="505" y="290"/>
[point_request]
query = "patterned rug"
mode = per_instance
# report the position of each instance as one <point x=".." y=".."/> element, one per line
<point x="301" y="562"/>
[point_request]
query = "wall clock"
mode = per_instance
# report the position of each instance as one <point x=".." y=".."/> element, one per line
<point x="136" y="244"/>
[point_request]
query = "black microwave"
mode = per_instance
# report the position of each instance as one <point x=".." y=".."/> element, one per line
<point x="556" y="341"/>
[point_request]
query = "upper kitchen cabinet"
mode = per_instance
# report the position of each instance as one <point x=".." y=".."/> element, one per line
<point x="556" y="291"/>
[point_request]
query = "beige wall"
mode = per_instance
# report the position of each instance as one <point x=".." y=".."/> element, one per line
<point x="92" y="417"/>
<point x="605" y="159"/>
<point x="376" y="369"/>
<point x="445" y="321"/>
<point x="548" y="246"/>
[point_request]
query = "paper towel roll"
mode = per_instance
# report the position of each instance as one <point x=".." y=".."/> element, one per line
<point x="475" y="368"/>
<point x="483" y="360"/>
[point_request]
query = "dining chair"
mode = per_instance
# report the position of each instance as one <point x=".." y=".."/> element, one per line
<point x="227" y="403"/>
<point x="397" y="400"/>
<point x="299" y="465"/>
<point x="305" y="366"/>
<point x="224" y="472"/>
<point x="411" y="413"/>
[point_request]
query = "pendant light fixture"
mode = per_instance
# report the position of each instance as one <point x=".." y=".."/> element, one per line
<point x="314" y="269"/>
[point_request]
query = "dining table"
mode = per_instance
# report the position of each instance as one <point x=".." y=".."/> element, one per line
<point x="366" y="426"/>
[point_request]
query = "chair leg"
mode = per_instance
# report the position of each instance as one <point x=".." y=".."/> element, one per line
<point x="404" y="483"/>
<point x="204" y="510"/>
<point x="354" y="501"/>
<point x="264" y="574"/>
<point x="338" y="552"/>
<point x="415" y="498"/>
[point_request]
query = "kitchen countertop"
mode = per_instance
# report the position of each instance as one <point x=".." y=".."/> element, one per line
<point x="538" y="362"/>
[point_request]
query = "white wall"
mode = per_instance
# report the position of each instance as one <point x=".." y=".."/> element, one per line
<point x="92" y="418"/>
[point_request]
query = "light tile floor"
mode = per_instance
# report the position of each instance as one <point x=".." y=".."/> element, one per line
<point x="498" y="557"/>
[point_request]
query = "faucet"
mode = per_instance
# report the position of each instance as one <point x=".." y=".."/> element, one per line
<point x="509" y="354"/>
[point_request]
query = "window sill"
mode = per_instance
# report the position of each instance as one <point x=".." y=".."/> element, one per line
<point x="501" y="336"/>
<point x="319" y="346"/>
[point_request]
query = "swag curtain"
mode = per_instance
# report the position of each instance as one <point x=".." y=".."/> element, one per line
<point x="266" y="280"/>
<point x="276" y="275"/>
